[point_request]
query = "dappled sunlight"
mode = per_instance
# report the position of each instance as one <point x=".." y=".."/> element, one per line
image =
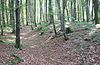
<point x="22" y="34"/>
<point x="10" y="40"/>
<point x="31" y="37"/>
<point x="28" y="37"/>
<point x="25" y="33"/>
<point x="49" y="32"/>
<point x="67" y="24"/>
<point x="33" y="46"/>
<point x="97" y="26"/>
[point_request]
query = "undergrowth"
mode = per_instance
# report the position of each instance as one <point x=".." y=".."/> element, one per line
<point x="17" y="59"/>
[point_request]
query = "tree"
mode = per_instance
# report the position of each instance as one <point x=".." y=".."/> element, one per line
<point x="35" y="13"/>
<point x="51" y="16"/>
<point x="96" y="5"/>
<point x="6" y="13"/>
<point x="41" y="10"/>
<point x="12" y="16"/>
<point x="74" y="15"/>
<point x="59" y="13"/>
<point x="87" y="10"/>
<point x="59" y="9"/>
<point x="27" y="12"/>
<point x="3" y="16"/>
<point x="17" y="24"/>
<point x="22" y="12"/>
<point x="83" y="10"/>
<point x="46" y="11"/>
<point x="1" y="26"/>
<point x="63" y="18"/>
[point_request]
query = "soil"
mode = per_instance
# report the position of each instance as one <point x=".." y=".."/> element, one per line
<point x="47" y="49"/>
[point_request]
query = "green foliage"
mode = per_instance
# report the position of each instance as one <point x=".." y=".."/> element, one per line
<point x="7" y="29"/>
<point x="7" y="40"/>
<point x="84" y="25"/>
<point x="42" y="27"/>
<point x="16" y="60"/>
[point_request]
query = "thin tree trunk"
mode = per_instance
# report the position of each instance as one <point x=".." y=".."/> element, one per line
<point x="26" y="12"/>
<point x="6" y="13"/>
<point x="12" y="16"/>
<point x="59" y="13"/>
<point x="87" y="10"/>
<point x="51" y="16"/>
<point x="63" y="18"/>
<point x="40" y="10"/>
<point x="96" y="5"/>
<point x="83" y="9"/>
<point x="35" y="13"/>
<point x="1" y="26"/>
<point x="3" y="17"/>
<point x="17" y="24"/>
<point x="46" y="11"/>
<point x="74" y="15"/>
<point x="22" y="13"/>
<point x="67" y="13"/>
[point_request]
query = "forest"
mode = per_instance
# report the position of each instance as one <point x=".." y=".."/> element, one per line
<point x="49" y="32"/>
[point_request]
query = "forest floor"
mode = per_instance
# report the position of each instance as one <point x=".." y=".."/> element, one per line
<point x="47" y="49"/>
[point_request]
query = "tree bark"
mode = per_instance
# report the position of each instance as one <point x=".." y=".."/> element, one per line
<point x="96" y="5"/>
<point x="17" y="24"/>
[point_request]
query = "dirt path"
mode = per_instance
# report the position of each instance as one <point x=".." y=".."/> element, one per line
<point x="45" y="50"/>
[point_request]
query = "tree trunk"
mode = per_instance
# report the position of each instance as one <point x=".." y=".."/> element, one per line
<point x="96" y="5"/>
<point x="83" y="10"/>
<point x="59" y="13"/>
<point x="17" y="24"/>
<point x="63" y="18"/>
<point x="51" y="16"/>
<point x="26" y="12"/>
<point x="12" y="16"/>
<point x="46" y="11"/>
<point x="35" y="13"/>
<point x="87" y="10"/>
<point x="3" y="16"/>
<point x="6" y="13"/>
<point x="74" y="15"/>
<point x="1" y="26"/>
